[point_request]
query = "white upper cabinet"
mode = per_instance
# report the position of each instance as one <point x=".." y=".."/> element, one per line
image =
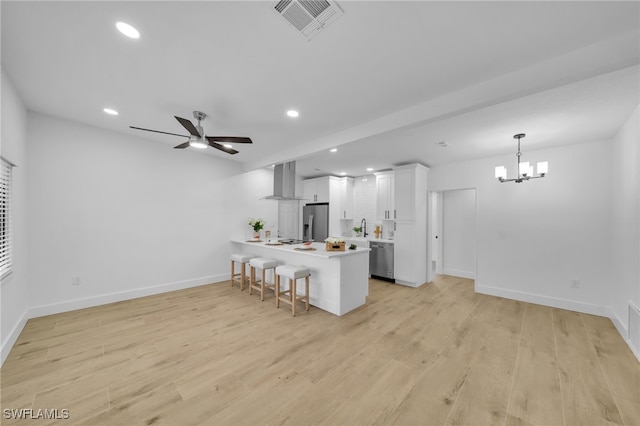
<point x="328" y="189"/>
<point x="406" y="186"/>
<point x="316" y="190"/>
<point x="346" y="198"/>
<point x="385" y="199"/>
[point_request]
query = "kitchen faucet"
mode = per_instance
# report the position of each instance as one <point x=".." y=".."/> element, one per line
<point x="363" y="225"/>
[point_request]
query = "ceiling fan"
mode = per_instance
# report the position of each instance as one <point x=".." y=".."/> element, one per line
<point x="197" y="138"/>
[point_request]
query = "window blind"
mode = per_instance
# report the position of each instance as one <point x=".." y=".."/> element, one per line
<point x="6" y="246"/>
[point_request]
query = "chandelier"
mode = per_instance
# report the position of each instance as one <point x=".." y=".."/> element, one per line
<point x="525" y="171"/>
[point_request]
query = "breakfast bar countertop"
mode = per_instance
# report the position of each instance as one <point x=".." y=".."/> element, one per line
<point x="320" y="250"/>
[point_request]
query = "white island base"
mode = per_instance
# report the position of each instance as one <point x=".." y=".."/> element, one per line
<point x="339" y="279"/>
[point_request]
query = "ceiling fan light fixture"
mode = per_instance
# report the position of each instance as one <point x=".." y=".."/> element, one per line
<point x="198" y="139"/>
<point x="197" y="143"/>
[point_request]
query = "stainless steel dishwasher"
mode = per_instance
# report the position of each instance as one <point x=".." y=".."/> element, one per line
<point x="381" y="261"/>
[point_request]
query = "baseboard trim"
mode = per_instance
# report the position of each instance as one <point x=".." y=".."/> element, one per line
<point x="619" y="325"/>
<point x="408" y="283"/>
<point x="554" y="302"/>
<point x="624" y="332"/>
<point x="89" y="302"/>
<point x="459" y="273"/>
<point x="11" y="339"/>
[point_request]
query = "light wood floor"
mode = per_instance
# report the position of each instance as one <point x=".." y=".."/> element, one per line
<point x="212" y="355"/>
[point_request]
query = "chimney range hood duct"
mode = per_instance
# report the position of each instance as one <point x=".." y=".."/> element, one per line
<point x="284" y="182"/>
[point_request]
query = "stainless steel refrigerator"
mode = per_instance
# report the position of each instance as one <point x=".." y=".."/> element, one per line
<point x="315" y="222"/>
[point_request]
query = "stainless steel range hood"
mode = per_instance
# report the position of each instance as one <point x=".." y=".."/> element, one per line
<point x="284" y="182"/>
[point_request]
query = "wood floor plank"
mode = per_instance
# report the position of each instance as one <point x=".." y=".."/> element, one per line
<point x="434" y="394"/>
<point x="615" y="357"/>
<point x="585" y="394"/>
<point x="79" y="403"/>
<point x="535" y="396"/>
<point x="483" y="398"/>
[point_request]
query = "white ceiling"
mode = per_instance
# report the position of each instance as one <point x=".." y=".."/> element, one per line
<point x="384" y="83"/>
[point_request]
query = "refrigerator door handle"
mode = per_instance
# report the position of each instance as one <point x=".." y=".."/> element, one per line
<point x="311" y="227"/>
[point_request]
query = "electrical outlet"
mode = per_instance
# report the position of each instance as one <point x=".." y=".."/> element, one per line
<point x="76" y="281"/>
<point x="575" y="283"/>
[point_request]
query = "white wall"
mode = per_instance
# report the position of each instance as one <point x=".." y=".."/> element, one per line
<point x="625" y="234"/>
<point x="535" y="237"/>
<point x="364" y="203"/>
<point x="14" y="287"/>
<point x="459" y="233"/>
<point x="129" y="216"/>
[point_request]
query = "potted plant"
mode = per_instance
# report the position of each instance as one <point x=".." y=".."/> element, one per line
<point x="357" y="230"/>
<point x="257" y="225"/>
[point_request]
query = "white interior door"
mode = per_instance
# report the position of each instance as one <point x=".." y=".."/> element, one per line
<point x="458" y="237"/>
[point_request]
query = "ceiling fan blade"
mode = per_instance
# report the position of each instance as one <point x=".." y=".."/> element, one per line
<point x="222" y="148"/>
<point x="189" y="126"/>
<point x="182" y="145"/>
<point x="158" y="131"/>
<point x="229" y="139"/>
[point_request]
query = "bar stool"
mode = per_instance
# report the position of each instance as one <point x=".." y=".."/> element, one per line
<point x="241" y="277"/>
<point x="264" y="264"/>
<point x="293" y="273"/>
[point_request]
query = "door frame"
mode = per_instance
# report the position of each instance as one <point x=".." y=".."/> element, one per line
<point x="431" y="232"/>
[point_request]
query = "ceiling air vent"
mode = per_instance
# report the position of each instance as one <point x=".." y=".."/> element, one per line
<point x="309" y="17"/>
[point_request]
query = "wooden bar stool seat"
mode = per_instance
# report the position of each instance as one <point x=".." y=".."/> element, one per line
<point x="240" y="277"/>
<point x="264" y="264"/>
<point x="290" y="296"/>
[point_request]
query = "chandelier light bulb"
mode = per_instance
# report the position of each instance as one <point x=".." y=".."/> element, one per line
<point x="543" y="168"/>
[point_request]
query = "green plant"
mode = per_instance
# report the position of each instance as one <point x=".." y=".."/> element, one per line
<point x="357" y="230"/>
<point x="256" y="224"/>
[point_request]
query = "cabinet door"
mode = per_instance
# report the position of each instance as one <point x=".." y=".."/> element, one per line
<point x="322" y="190"/>
<point x="287" y="219"/>
<point x="309" y="190"/>
<point x="384" y="206"/>
<point x="346" y="198"/>
<point x="405" y="194"/>
<point x="316" y="190"/>
<point x="404" y="258"/>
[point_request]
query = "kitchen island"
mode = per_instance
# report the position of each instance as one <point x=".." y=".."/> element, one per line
<point x="339" y="279"/>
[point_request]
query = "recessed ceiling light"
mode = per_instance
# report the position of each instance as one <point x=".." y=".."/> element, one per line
<point x="127" y="30"/>
<point x="293" y="113"/>
<point x="333" y="150"/>
<point x="343" y="173"/>
<point x="110" y="111"/>
<point x="442" y="144"/>
<point x="369" y="169"/>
